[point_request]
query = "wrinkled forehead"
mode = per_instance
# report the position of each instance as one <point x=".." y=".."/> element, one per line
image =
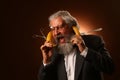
<point x="56" y="21"/>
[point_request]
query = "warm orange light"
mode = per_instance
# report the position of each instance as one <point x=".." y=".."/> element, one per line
<point x="87" y="26"/>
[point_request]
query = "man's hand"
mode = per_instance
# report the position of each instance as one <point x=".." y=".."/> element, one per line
<point x="46" y="49"/>
<point x="77" y="40"/>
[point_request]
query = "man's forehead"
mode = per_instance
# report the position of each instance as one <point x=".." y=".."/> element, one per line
<point x="56" y="21"/>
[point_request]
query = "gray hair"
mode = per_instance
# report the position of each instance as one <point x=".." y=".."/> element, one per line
<point x="66" y="16"/>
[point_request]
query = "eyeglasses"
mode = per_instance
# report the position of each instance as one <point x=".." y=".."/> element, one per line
<point x="60" y="27"/>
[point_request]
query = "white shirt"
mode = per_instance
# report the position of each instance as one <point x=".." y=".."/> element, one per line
<point x="70" y="63"/>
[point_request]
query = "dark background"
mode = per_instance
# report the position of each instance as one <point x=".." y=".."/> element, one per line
<point x="21" y="57"/>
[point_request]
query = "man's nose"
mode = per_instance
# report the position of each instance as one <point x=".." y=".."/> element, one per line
<point x="56" y="31"/>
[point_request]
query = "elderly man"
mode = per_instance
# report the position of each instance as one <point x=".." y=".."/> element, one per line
<point x="73" y="57"/>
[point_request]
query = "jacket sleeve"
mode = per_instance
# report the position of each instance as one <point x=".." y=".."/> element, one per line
<point x="99" y="57"/>
<point x="47" y="72"/>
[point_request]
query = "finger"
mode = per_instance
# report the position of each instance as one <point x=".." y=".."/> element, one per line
<point x="48" y="44"/>
<point x="74" y="41"/>
<point x="42" y="47"/>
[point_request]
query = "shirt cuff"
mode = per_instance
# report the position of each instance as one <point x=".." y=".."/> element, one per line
<point x="84" y="52"/>
<point x="45" y="64"/>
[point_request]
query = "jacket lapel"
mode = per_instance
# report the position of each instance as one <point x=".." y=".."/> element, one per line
<point x="62" y="75"/>
<point x="61" y="71"/>
<point x="78" y="65"/>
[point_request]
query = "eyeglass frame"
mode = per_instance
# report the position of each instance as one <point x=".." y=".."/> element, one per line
<point x="58" y="27"/>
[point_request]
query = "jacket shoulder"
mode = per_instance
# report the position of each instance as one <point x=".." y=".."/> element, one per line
<point x="95" y="38"/>
<point x="91" y="36"/>
<point x="92" y="41"/>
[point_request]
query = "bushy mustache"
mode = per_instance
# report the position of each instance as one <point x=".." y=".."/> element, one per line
<point x="66" y="37"/>
<point x="59" y="36"/>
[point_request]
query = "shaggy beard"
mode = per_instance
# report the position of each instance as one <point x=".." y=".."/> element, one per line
<point x="65" y="48"/>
